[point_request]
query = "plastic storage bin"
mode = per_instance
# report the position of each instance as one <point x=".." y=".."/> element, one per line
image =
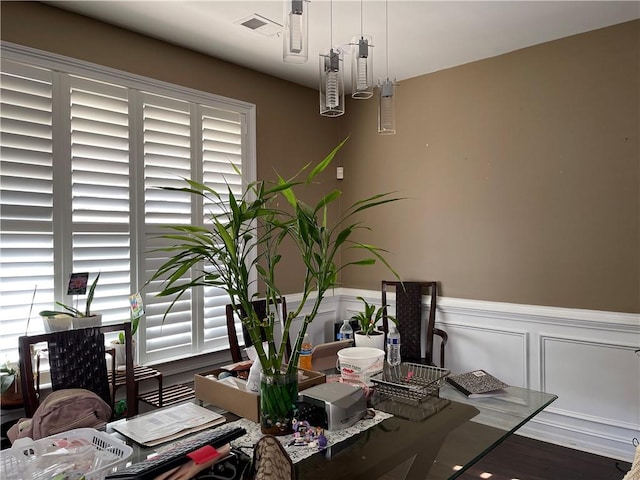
<point x="83" y="451"/>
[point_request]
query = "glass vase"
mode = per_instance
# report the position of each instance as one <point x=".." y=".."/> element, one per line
<point x="278" y="394"/>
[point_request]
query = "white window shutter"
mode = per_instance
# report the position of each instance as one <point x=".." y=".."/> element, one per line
<point x="167" y="161"/>
<point x="84" y="152"/>
<point x="222" y="148"/>
<point x="100" y="197"/>
<point x="26" y="212"/>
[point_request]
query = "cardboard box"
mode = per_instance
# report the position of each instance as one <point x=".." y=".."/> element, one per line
<point x="235" y="400"/>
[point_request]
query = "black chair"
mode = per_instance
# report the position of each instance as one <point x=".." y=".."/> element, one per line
<point x="260" y="307"/>
<point x="409" y="317"/>
<point x="77" y="359"/>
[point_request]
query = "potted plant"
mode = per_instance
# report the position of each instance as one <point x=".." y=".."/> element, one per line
<point x="118" y="344"/>
<point x="71" y="317"/>
<point x="10" y="389"/>
<point x="369" y="335"/>
<point x="246" y="234"/>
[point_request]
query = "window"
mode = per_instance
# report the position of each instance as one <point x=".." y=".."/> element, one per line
<point x="84" y="152"/>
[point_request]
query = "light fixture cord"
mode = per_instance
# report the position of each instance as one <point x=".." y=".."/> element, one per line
<point x="361" y="27"/>
<point x="331" y="22"/>
<point x="386" y="13"/>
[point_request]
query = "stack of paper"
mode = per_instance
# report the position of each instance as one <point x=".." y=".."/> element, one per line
<point x="168" y="424"/>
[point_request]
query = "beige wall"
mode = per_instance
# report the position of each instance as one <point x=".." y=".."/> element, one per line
<point x="521" y="172"/>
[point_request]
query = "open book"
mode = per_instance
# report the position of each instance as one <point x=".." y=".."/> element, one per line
<point x="166" y="424"/>
<point x="478" y="384"/>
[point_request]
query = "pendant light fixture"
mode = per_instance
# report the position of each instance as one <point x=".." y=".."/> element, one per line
<point x="362" y="64"/>
<point x="387" y="87"/>
<point x="331" y="78"/>
<point x="296" y="31"/>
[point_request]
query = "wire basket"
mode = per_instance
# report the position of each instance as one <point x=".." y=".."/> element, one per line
<point x="410" y="382"/>
<point x="81" y="453"/>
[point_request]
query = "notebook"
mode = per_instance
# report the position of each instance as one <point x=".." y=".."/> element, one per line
<point x="478" y="383"/>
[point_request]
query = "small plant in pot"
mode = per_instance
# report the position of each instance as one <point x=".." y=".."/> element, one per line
<point x="10" y="391"/>
<point x="369" y="335"/>
<point x="119" y="342"/>
<point x="72" y="317"/>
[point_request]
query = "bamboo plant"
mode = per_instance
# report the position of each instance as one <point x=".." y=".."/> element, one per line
<point x="246" y="233"/>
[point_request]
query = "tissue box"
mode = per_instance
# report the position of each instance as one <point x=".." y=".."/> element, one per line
<point x="242" y="403"/>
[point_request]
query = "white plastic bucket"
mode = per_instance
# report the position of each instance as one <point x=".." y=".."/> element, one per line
<point x="360" y="363"/>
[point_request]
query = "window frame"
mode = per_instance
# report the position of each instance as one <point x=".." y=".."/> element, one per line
<point x="62" y="66"/>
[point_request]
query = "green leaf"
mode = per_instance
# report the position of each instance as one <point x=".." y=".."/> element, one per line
<point x="327" y="199"/>
<point x="325" y="163"/>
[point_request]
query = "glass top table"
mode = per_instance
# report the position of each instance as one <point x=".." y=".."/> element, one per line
<point x="441" y="446"/>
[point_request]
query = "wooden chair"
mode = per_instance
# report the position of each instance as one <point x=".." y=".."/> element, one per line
<point x="409" y="317"/>
<point x="260" y="307"/>
<point x="77" y="359"/>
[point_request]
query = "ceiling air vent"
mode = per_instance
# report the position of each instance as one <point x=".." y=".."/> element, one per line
<point x="260" y="24"/>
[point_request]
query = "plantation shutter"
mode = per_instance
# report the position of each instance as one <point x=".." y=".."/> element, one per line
<point x="167" y="161"/>
<point x="26" y="213"/>
<point x="100" y="203"/>
<point x="84" y="152"/>
<point x="222" y="149"/>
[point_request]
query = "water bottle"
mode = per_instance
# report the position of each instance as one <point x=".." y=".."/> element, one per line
<point x="346" y="332"/>
<point x="304" y="360"/>
<point x="393" y="347"/>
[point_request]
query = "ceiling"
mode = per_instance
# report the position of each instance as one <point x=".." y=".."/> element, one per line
<point x="423" y="36"/>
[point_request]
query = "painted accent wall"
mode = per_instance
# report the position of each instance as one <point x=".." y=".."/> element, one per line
<point x="521" y="172"/>
<point x="521" y="175"/>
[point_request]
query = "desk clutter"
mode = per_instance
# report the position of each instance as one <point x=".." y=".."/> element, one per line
<point x="83" y="453"/>
<point x="221" y="388"/>
<point x="200" y="448"/>
<point x="412" y="384"/>
<point x="299" y="449"/>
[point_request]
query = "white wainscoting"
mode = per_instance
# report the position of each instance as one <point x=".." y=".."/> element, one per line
<point x="585" y="357"/>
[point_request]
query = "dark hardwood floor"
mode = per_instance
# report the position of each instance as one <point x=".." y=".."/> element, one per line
<point x="523" y="458"/>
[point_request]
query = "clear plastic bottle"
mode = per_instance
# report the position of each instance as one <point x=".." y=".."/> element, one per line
<point x="304" y="360"/>
<point x="346" y="332"/>
<point x="393" y="346"/>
